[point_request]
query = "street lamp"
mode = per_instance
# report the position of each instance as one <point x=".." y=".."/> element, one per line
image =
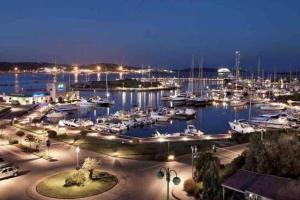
<point x="161" y="173"/>
<point x="194" y="151"/>
<point x="77" y="152"/>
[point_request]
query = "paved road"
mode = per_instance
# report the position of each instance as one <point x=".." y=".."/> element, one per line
<point x="140" y="176"/>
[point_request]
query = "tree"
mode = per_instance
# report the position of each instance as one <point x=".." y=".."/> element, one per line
<point x="90" y="164"/>
<point x="30" y="138"/>
<point x="207" y="171"/>
<point x="20" y="134"/>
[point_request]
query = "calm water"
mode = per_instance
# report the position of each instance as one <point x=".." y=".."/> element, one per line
<point x="212" y="119"/>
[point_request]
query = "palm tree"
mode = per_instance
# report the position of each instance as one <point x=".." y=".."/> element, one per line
<point x="30" y="138"/>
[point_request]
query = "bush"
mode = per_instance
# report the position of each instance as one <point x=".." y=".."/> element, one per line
<point x="13" y="141"/>
<point x="189" y="186"/>
<point x="52" y="134"/>
<point x="76" y="179"/>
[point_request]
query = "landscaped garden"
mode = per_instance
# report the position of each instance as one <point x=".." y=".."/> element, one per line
<point x="72" y="184"/>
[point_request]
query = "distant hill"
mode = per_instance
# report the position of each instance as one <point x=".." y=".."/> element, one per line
<point x="205" y="69"/>
<point x="9" y="66"/>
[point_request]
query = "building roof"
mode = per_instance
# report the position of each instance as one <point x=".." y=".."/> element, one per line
<point x="269" y="186"/>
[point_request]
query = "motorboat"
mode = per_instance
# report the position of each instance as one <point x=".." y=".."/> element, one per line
<point x="197" y="101"/>
<point x="103" y="102"/>
<point x="76" y="123"/>
<point x="84" y="103"/>
<point x="191" y="130"/>
<point x="66" y="107"/>
<point x="162" y="135"/>
<point x="241" y="126"/>
<point x="273" y="107"/>
<point x="55" y="116"/>
<point x="272" y="121"/>
<point x="160" y="117"/>
<point x="179" y="99"/>
<point x="186" y="113"/>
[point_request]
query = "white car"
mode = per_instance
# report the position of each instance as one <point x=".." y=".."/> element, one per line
<point x="8" y="172"/>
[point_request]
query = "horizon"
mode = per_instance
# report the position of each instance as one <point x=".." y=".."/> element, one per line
<point x="151" y="33"/>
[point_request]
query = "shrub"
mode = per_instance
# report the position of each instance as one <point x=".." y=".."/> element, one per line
<point x="189" y="186"/>
<point x="13" y="141"/>
<point x="76" y="179"/>
<point x="52" y="134"/>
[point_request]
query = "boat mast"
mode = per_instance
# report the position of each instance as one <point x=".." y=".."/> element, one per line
<point x="106" y="83"/>
<point x="192" y="75"/>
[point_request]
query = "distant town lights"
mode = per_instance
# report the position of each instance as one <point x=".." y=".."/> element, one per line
<point x="98" y="68"/>
<point x="121" y="68"/>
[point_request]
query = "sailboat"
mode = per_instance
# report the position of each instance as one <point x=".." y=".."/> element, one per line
<point x="103" y="101"/>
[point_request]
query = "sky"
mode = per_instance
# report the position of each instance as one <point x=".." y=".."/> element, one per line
<point x="165" y="33"/>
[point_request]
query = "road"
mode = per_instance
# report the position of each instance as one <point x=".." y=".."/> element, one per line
<point x="139" y="176"/>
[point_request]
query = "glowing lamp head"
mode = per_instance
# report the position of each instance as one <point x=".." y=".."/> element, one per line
<point x="107" y="94"/>
<point x="77" y="149"/>
<point x="16" y="69"/>
<point x="120" y="67"/>
<point x="176" y="180"/>
<point x="160" y="174"/>
<point x="171" y="157"/>
<point x="98" y="68"/>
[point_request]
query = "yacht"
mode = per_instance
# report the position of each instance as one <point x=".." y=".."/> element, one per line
<point x="192" y="131"/>
<point x="83" y="103"/>
<point x="66" y="107"/>
<point x="179" y="99"/>
<point x="273" y="107"/>
<point x="241" y="126"/>
<point x="76" y="123"/>
<point x="103" y="102"/>
<point x="185" y="113"/>
<point x="160" y="117"/>
<point x="272" y="121"/>
<point x="55" y="116"/>
<point x="197" y="101"/>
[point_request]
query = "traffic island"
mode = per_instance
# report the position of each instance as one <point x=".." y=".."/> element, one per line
<point x="58" y="186"/>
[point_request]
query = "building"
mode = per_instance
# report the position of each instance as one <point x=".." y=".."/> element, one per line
<point x="59" y="93"/>
<point x="26" y="98"/>
<point x="254" y="186"/>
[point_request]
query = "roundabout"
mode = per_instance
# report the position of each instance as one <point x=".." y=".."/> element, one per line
<point x="55" y="186"/>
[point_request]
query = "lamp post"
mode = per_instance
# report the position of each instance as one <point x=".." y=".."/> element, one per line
<point x="161" y="173"/>
<point x="194" y="151"/>
<point x="77" y="152"/>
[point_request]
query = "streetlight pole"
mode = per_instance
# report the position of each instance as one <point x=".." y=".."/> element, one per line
<point x="77" y="152"/>
<point x="176" y="180"/>
<point x="194" y="151"/>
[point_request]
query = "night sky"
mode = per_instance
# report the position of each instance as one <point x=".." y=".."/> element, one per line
<point x="160" y="33"/>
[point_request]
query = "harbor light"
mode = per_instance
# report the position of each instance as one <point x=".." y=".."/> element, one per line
<point x="107" y="94"/>
<point x="121" y="68"/>
<point x="98" y="68"/>
<point x="16" y="69"/>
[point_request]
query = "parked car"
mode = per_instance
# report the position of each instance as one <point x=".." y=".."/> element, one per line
<point x="7" y="172"/>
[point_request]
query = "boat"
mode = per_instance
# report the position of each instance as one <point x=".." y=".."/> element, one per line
<point x="102" y="101"/>
<point x="162" y="135"/>
<point x="241" y="126"/>
<point x="192" y="131"/>
<point x="55" y="116"/>
<point x="66" y="107"/>
<point x="197" y="101"/>
<point x="179" y="99"/>
<point x="272" y="121"/>
<point x="76" y="123"/>
<point x="160" y="117"/>
<point x="186" y="113"/>
<point x="83" y="103"/>
<point x="273" y="107"/>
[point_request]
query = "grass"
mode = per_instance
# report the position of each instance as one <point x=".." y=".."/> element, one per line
<point x="143" y="151"/>
<point x="53" y="186"/>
